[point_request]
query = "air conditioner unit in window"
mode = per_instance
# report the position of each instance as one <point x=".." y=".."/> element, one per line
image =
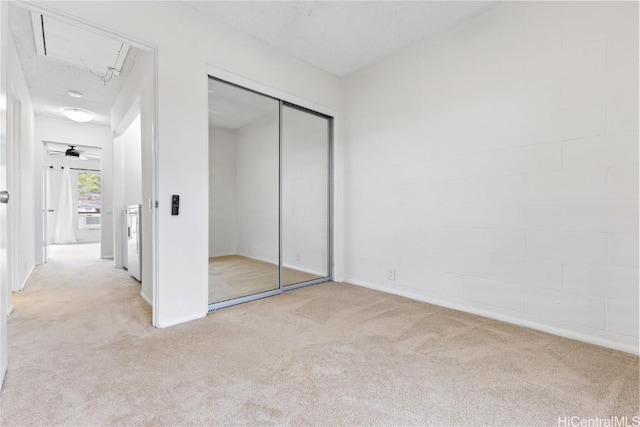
<point x="88" y="221"/>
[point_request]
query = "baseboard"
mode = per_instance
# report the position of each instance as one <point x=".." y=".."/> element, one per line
<point x="305" y="270"/>
<point x="219" y="255"/>
<point x="181" y="320"/>
<point x="293" y="267"/>
<point x="147" y="300"/>
<point x="268" y="261"/>
<point x="565" y="333"/>
<point x="107" y="257"/>
<point x="27" y="277"/>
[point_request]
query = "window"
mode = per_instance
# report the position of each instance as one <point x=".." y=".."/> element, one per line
<point x="89" y="193"/>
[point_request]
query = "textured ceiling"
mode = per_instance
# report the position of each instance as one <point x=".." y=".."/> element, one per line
<point x="336" y="36"/>
<point x="232" y="108"/>
<point x="49" y="79"/>
<point x="340" y="37"/>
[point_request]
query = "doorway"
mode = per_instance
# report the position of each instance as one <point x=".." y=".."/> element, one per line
<point x="85" y="89"/>
<point x="72" y="196"/>
<point x="269" y="195"/>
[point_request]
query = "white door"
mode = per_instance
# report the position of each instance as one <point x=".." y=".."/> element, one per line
<point x="46" y="212"/>
<point x="4" y="286"/>
<point x="13" y="181"/>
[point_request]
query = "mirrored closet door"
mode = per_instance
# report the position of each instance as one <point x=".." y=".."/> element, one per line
<point x="243" y="193"/>
<point x="269" y="195"/>
<point x="305" y="196"/>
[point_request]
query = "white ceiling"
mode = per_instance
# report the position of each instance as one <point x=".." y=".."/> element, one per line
<point x="340" y="37"/>
<point x="231" y="107"/>
<point x="49" y="78"/>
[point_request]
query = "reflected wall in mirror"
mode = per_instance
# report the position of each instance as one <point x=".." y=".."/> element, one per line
<point x="243" y="192"/>
<point x="305" y="196"/>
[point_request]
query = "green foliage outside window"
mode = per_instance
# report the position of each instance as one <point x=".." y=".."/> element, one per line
<point x="89" y="192"/>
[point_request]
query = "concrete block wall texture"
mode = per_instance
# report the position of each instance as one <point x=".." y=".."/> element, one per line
<point x="495" y="169"/>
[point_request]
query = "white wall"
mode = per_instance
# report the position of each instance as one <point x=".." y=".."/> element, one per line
<point x="20" y="148"/>
<point x="186" y="42"/>
<point x="136" y="99"/>
<point x="132" y="151"/>
<point x="127" y="186"/>
<point x="496" y="169"/>
<point x="127" y="183"/>
<point x="70" y="132"/>
<point x="107" y="213"/>
<point x="118" y="243"/>
<point x="257" y="184"/>
<point x="222" y="192"/>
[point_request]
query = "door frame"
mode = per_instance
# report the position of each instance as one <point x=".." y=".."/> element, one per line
<point x="14" y="178"/>
<point x="46" y="208"/>
<point x="291" y="101"/>
<point x="153" y="50"/>
<point x="4" y="285"/>
<point x="330" y="196"/>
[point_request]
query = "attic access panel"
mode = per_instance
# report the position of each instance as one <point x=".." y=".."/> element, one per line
<point x="65" y="42"/>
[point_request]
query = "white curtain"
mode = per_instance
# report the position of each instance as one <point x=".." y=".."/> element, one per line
<point x="64" y="224"/>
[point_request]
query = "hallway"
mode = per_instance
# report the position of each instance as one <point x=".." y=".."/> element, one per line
<point x="73" y="316"/>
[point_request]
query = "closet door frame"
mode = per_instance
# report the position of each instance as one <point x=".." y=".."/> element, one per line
<point x="283" y="99"/>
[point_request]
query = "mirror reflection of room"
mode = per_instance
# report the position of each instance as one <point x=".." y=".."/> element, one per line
<point x="268" y="195"/>
<point x="305" y="195"/>
<point x="243" y="196"/>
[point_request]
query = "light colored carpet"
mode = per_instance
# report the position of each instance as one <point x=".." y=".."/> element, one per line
<point x="235" y="276"/>
<point x="82" y="352"/>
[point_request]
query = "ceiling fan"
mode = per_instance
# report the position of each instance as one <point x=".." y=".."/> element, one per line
<point x="72" y="153"/>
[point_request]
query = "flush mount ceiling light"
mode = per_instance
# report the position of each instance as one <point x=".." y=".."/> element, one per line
<point x="74" y="94"/>
<point x="78" y="115"/>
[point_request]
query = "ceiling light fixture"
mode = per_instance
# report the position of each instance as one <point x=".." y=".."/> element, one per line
<point x="77" y="115"/>
<point x="74" y="94"/>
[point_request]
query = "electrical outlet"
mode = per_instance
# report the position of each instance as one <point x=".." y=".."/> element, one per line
<point x="298" y="257"/>
<point x="391" y="274"/>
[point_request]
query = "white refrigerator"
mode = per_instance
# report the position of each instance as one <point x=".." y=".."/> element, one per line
<point x="134" y="241"/>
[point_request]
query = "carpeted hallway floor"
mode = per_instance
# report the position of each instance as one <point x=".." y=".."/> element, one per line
<point x="82" y="352"/>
